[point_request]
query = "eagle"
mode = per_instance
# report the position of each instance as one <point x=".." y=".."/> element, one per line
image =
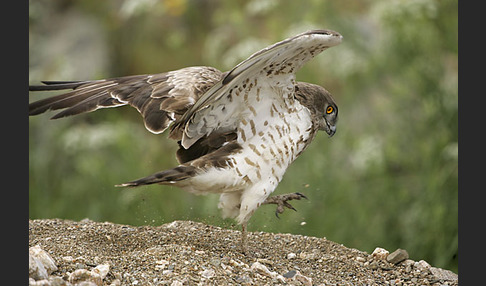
<point x="237" y="131"/>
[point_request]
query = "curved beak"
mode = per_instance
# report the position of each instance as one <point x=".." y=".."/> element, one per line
<point x="330" y="129"/>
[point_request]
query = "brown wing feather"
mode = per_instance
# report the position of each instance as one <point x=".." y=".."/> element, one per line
<point x="160" y="98"/>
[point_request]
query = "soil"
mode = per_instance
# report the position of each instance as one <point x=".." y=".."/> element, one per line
<point x="191" y="253"/>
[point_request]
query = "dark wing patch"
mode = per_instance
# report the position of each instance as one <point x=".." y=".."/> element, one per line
<point x="204" y="146"/>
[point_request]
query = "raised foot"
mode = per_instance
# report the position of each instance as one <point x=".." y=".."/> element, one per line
<point x="282" y="201"/>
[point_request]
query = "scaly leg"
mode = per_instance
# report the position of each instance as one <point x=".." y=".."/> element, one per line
<point x="243" y="237"/>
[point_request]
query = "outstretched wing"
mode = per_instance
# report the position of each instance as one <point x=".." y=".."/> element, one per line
<point x="221" y="108"/>
<point x="160" y="98"/>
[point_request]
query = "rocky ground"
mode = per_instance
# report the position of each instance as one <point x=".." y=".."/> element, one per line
<point x="64" y="252"/>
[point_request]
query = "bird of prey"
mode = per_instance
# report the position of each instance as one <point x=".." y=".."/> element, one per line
<point x="238" y="131"/>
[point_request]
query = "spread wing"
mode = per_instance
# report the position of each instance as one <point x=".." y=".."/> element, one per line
<point x="272" y="68"/>
<point x="160" y="98"/>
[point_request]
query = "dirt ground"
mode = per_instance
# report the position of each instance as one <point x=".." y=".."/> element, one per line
<point x="190" y="253"/>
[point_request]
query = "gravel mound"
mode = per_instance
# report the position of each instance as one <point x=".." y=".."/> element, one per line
<point x="64" y="252"/>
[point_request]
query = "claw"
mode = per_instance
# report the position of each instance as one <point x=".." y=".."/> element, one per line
<point x="282" y="202"/>
<point x="302" y="195"/>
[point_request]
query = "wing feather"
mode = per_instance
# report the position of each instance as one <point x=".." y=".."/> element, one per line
<point x="274" y="65"/>
<point x="198" y="99"/>
<point x="160" y="98"/>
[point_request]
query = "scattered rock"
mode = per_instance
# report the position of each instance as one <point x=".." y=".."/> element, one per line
<point x="307" y="281"/>
<point x="101" y="270"/>
<point x="290" y="274"/>
<point x="190" y="253"/>
<point x="41" y="263"/>
<point x="207" y="274"/>
<point x="408" y="263"/>
<point x="397" y="256"/>
<point x="83" y="275"/>
<point x="262" y="269"/>
<point x="314" y="254"/>
<point x="380" y="253"/>
<point x="421" y="265"/>
<point x="443" y="274"/>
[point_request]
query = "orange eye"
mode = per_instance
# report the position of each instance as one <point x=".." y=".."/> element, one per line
<point x="329" y="109"/>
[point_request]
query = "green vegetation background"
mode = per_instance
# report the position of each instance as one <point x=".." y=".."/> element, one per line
<point x="388" y="178"/>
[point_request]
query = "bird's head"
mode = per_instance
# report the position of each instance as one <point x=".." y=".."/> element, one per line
<point x="321" y="105"/>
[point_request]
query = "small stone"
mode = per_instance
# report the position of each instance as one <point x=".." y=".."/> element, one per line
<point x="41" y="263"/>
<point x="360" y="259"/>
<point x="80" y="266"/>
<point x="397" y="256"/>
<point x="262" y="269"/>
<point x="208" y="273"/>
<point x="408" y="262"/>
<point x="307" y="281"/>
<point x="373" y="265"/>
<point x="290" y="274"/>
<point x="280" y="278"/>
<point x="443" y="274"/>
<point x="36" y="269"/>
<point x="83" y="275"/>
<point x="380" y="253"/>
<point x="161" y="264"/>
<point x="215" y="261"/>
<point x="421" y="265"/>
<point x="68" y="259"/>
<point x="243" y="279"/>
<point x="308" y="255"/>
<point x="291" y="255"/>
<point x="101" y="270"/>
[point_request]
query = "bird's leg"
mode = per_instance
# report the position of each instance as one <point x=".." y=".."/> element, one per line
<point x="243" y="237"/>
<point x="281" y="201"/>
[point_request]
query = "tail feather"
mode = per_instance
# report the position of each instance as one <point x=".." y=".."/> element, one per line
<point x="171" y="176"/>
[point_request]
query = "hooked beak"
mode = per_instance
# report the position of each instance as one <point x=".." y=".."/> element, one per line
<point x="330" y="129"/>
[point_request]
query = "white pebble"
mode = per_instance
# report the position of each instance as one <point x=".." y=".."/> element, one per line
<point x="101" y="270"/>
<point x="208" y="273"/>
<point x="262" y="269"/>
<point x="380" y="253"/>
<point x="83" y="275"/>
<point x="291" y="255"/>
<point x="41" y="263"/>
<point x="421" y="265"/>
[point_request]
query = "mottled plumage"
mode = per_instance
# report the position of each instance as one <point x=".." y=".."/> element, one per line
<point x="237" y="131"/>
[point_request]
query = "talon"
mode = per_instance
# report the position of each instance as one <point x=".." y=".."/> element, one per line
<point x="289" y="206"/>
<point x="301" y="196"/>
<point x="282" y="202"/>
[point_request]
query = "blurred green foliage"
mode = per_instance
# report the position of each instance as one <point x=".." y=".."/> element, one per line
<point x="388" y="178"/>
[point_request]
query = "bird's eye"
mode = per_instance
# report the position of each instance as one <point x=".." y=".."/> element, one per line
<point x="329" y="109"/>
